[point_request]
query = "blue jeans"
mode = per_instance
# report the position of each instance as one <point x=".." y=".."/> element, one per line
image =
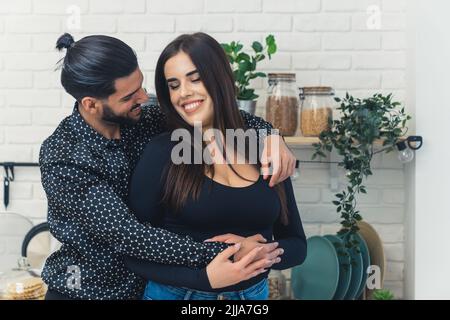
<point x="157" y="291"/>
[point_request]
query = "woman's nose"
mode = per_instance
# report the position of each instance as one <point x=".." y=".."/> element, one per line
<point x="185" y="90"/>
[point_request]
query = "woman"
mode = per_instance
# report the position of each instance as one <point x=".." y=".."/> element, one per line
<point x="194" y="84"/>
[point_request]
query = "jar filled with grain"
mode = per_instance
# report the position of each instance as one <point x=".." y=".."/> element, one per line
<point x="277" y="285"/>
<point x="282" y="105"/>
<point x="317" y="105"/>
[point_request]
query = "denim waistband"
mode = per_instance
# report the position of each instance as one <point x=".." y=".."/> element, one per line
<point x="188" y="294"/>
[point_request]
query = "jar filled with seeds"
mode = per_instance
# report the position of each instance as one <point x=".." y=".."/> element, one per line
<point x="277" y="285"/>
<point x="317" y="105"/>
<point x="282" y="106"/>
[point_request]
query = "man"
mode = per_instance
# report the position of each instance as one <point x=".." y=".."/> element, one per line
<point x="86" y="164"/>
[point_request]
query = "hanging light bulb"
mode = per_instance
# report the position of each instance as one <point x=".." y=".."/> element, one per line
<point x="405" y="154"/>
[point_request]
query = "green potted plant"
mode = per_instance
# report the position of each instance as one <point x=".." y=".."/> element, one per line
<point x="383" y="294"/>
<point x="353" y="135"/>
<point x="244" y="68"/>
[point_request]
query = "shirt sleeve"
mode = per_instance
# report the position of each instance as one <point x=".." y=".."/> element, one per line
<point x="251" y="121"/>
<point x="153" y="120"/>
<point x="177" y="276"/>
<point x="94" y="206"/>
<point x="291" y="237"/>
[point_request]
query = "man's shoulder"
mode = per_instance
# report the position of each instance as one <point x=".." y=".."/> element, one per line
<point x="150" y="110"/>
<point x="59" y="146"/>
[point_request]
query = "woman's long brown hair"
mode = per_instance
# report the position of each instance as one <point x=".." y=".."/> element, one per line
<point x="185" y="180"/>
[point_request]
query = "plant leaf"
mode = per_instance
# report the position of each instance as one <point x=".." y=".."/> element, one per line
<point x="257" y="46"/>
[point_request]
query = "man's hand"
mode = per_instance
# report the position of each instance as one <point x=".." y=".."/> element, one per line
<point x="277" y="154"/>
<point x="268" y="251"/>
<point x="222" y="272"/>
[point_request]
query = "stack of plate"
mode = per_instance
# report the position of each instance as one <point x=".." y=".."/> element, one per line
<point x="331" y="271"/>
<point x="317" y="278"/>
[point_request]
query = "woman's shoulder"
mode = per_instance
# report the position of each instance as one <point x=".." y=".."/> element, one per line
<point x="158" y="148"/>
<point x="161" y="142"/>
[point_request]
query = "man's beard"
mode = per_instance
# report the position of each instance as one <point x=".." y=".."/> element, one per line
<point x="109" y="116"/>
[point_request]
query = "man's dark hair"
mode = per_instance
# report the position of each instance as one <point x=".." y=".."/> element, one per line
<point x="92" y="65"/>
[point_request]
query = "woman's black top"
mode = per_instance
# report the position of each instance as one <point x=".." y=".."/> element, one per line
<point x="220" y="209"/>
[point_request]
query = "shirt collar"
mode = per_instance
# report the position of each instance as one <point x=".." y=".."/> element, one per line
<point x="84" y="132"/>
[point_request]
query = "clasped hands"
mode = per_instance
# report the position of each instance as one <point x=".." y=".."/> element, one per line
<point x="247" y="258"/>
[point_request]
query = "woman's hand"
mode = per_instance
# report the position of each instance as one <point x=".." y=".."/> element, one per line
<point x="222" y="272"/>
<point x="251" y="257"/>
<point x="228" y="238"/>
<point x="268" y="251"/>
<point x="277" y="155"/>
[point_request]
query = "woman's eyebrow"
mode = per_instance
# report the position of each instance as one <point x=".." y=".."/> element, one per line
<point x="191" y="73"/>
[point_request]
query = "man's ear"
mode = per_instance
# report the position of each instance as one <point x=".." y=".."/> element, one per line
<point x="90" y="105"/>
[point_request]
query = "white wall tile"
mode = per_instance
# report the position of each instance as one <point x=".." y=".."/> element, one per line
<point x="323" y="42"/>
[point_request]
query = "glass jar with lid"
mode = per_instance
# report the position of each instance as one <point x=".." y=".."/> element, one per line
<point x="317" y="105"/>
<point x="21" y="284"/>
<point x="282" y="105"/>
<point x="277" y="285"/>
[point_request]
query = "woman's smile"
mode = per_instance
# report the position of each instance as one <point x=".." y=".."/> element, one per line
<point x="191" y="106"/>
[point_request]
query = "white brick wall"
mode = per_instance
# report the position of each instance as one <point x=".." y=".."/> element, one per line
<point x="324" y="42"/>
<point x="117" y="6"/>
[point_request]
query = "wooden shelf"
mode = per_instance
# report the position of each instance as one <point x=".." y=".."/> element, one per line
<point x="308" y="141"/>
<point x="301" y="141"/>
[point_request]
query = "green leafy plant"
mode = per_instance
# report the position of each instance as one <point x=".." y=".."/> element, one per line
<point x="244" y="65"/>
<point x="352" y="136"/>
<point x="383" y="294"/>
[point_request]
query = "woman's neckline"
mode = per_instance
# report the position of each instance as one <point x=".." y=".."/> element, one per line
<point x="231" y="187"/>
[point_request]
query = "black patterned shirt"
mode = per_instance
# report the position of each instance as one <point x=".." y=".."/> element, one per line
<point x="85" y="177"/>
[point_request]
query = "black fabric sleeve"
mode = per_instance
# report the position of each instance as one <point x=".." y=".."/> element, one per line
<point x="175" y="276"/>
<point x="290" y="237"/>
